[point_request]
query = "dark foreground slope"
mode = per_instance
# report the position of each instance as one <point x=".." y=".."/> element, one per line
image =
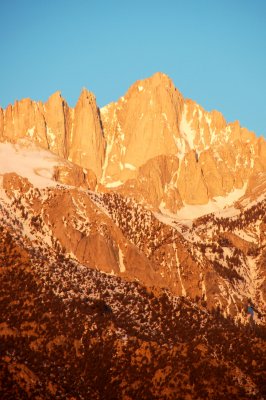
<point x="70" y="332"/>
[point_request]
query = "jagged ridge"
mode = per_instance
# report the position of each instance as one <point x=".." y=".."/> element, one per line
<point x="204" y="157"/>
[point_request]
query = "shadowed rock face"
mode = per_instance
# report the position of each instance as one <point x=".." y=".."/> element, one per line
<point x="70" y="332"/>
<point x="204" y="157"/>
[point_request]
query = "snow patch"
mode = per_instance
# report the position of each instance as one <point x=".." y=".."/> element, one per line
<point x="185" y="129"/>
<point x="121" y="261"/>
<point x="114" y="184"/>
<point x="104" y="110"/>
<point x="219" y="205"/>
<point x="30" y="132"/>
<point x="183" y="290"/>
<point x="181" y="145"/>
<point x="33" y="163"/>
<point x="51" y="135"/>
<point x="106" y="158"/>
<point x="130" y="166"/>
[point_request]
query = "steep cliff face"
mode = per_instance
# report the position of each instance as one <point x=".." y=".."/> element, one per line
<point x="141" y="126"/>
<point x="24" y="119"/>
<point x="152" y="143"/>
<point x="212" y="157"/>
<point x="74" y="134"/>
<point x="57" y="118"/>
<point x="86" y="143"/>
<point x="116" y="247"/>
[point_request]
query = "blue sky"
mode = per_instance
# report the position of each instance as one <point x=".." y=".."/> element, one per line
<point x="215" y="51"/>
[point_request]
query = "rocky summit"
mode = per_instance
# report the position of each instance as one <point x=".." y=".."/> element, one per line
<point x="132" y="239"/>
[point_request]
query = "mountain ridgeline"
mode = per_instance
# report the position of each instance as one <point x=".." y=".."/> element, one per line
<point x="152" y="140"/>
<point x="132" y="238"/>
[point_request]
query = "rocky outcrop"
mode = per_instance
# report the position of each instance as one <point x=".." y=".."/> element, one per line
<point x="74" y="134"/>
<point x="24" y="119"/>
<point x="153" y="119"/>
<point x="256" y="189"/>
<point x="58" y="122"/>
<point x="141" y="125"/>
<point x="14" y="183"/>
<point x="86" y="143"/>
<point x="155" y="184"/>
<point x="73" y="175"/>
<point x="102" y="273"/>
<point x="203" y="155"/>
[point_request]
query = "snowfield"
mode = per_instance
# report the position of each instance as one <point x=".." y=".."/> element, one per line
<point x="29" y="161"/>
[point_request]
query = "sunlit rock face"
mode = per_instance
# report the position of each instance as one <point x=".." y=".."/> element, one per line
<point x="86" y="143"/>
<point x="141" y="125"/>
<point x="206" y="157"/>
<point x="212" y="158"/>
<point x="128" y="186"/>
<point x="74" y="134"/>
<point x="133" y="235"/>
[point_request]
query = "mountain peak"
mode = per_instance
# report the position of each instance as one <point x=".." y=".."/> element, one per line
<point x="55" y="99"/>
<point x="158" y="79"/>
<point x="161" y="78"/>
<point x="145" y="129"/>
<point x="149" y="262"/>
<point x="86" y="95"/>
